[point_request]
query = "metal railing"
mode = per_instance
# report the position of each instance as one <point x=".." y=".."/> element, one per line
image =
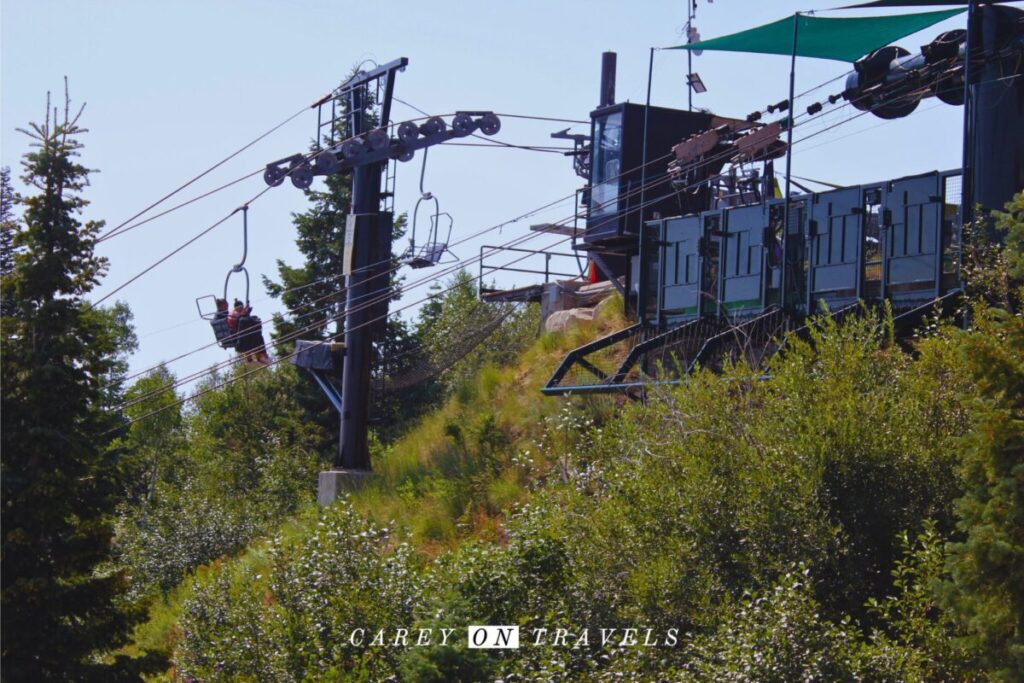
<point x="490" y="269"/>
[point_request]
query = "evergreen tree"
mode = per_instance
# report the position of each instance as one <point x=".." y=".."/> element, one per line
<point x="314" y="290"/>
<point x="987" y="587"/>
<point x="314" y="295"/>
<point x="61" y="361"/>
<point x="8" y="229"/>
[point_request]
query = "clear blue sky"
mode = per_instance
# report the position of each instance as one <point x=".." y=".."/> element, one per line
<point x="172" y="87"/>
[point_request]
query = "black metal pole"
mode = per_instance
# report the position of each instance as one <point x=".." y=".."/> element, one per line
<point x="789" y="161"/>
<point x="353" y="451"/>
<point x="966" y="176"/>
<point x="689" y="86"/>
<point x="643" y="176"/>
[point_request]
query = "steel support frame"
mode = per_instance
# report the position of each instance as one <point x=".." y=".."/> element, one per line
<point x="362" y="285"/>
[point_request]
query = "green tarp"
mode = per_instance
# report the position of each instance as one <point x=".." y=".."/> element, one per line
<point x="917" y="3"/>
<point x="846" y="40"/>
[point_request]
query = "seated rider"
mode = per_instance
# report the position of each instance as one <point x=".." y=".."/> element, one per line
<point x="219" y="323"/>
<point x="248" y="327"/>
<point x="237" y="312"/>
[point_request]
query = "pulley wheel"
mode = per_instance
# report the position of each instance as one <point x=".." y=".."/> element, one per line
<point x="895" y="108"/>
<point x="489" y="124"/>
<point x="950" y="89"/>
<point x="302" y="177"/>
<point x="407" y="155"/>
<point x="325" y="163"/>
<point x="434" y="126"/>
<point x="378" y="140"/>
<point x="463" y="125"/>
<point x="352" y="149"/>
<point x="408" y="132"/>
<point x="274" y="176"/>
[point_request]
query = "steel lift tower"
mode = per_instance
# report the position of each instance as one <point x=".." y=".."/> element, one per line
<point x="367" y="245"/>
<point x="365" y="153"/>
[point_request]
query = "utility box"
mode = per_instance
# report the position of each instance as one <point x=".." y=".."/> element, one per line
<point x="617" y="176"/>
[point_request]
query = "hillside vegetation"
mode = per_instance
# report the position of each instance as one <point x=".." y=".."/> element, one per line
<point x="851" y="511"/>
<point x="790" y="528"/>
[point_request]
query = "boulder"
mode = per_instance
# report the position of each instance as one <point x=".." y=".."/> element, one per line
<point x="559" y="321"/>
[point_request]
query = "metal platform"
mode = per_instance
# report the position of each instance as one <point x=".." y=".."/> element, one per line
<point x="529" y="293"/>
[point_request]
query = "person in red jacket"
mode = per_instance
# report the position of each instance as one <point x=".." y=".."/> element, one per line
<point x="237" y="312"/>
<point x="249" y="335"/>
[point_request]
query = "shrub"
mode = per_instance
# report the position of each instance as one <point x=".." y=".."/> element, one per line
<point x="292" y="616"/>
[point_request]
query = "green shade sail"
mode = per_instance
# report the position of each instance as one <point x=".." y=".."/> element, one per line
<point x="917" y="3"/>
<point x="843" y="39"/>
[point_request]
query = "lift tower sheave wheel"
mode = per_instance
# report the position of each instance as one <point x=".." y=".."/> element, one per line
<point x="376" y="147"/>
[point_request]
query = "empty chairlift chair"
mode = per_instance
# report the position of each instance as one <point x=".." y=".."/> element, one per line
<point x="432" y="251"/>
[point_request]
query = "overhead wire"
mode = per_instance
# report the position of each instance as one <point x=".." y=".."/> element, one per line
<point x="497" y="226"/>
<point x="430" y="278"/>
<point x="231" y="380"/>
<point x="543" y="118"/>
<point x="373" y="321"/>
<point x="500" y="144"/>
<point x="479" y="233"/>
<point x="317" y="326"/>
<point x="492" y="141"/>
<point x="885" y="121"/>
<point x="473" y="236"/>
<point x="180" y="206"/>
<point x="176" y="250"/>
<point x="425" y="114"/>
<point x="307" y="158"/>
<point x="209" y="170"/>
<point x="562" y="199"/>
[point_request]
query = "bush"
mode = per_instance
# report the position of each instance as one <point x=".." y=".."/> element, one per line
<point x="209" y="482"/>
<point x="291" y="616"/>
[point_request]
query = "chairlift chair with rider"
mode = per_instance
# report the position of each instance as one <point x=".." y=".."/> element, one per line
<point x="238" y="329"/>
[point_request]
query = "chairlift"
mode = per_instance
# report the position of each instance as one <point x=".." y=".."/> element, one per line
<point x="432" y="251"/>
<point x="236" y="329"/>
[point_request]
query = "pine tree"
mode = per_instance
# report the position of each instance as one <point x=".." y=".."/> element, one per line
<point x="314" y="294"/>
<point x="8" y="229"/>
<point x="986" y="591"/>
<point x="987" y="587"/>
<point x="61" y="363"/>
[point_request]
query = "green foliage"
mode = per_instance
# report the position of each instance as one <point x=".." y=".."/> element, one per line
<point x="775" y="636"/>
<point x="62" y="363"/>
<point x="766" y="522"/>
<point x="209" y="481"/>
<point x="1010" y="226"/>
<point x="456" y="313"/>
<point x="986" y="591"/>
<point x="292" y="617"/>
<point x="993" y="259"/>
<point x="8" y="229"/>
<point x="920" y="640"/>
<point x="154" y="437"/>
